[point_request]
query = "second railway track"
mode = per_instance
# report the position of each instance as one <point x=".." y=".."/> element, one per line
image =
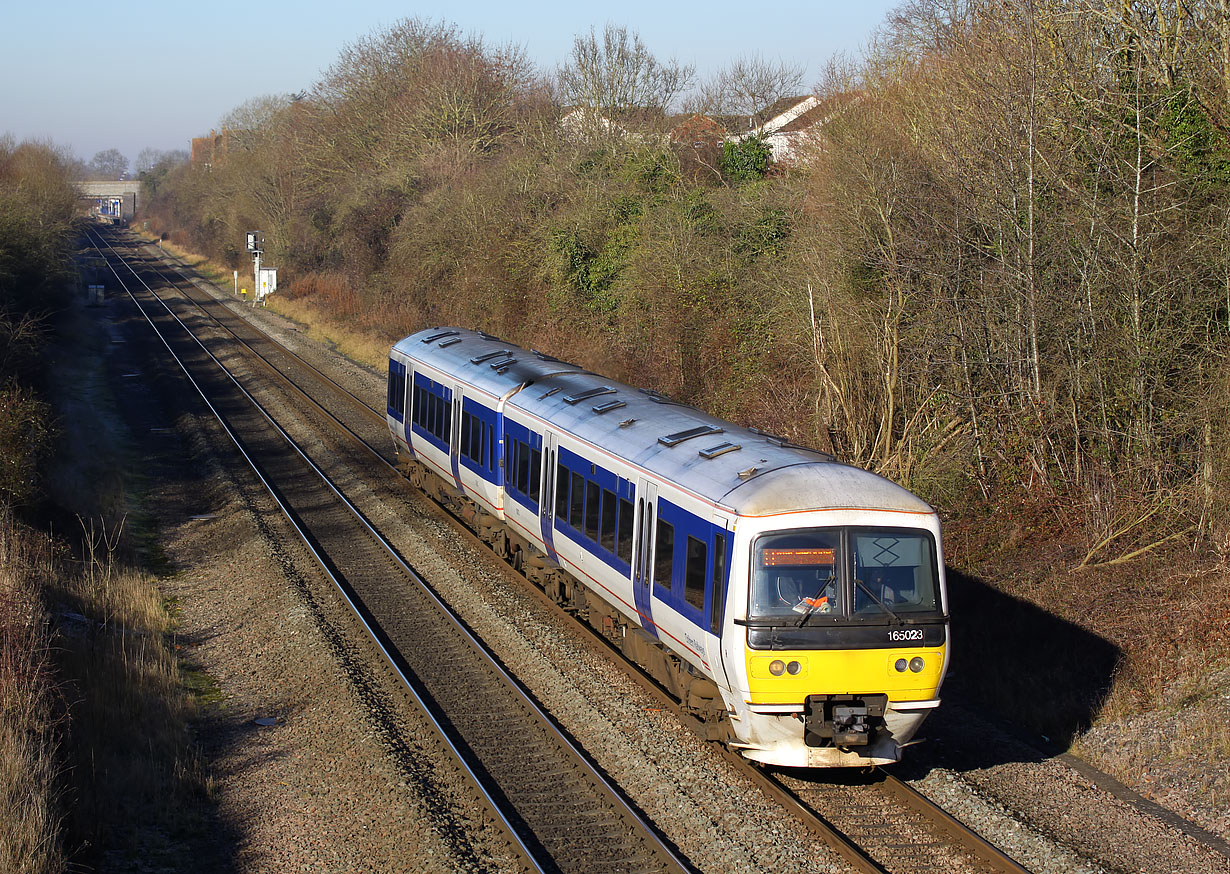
<point x="564" y="812"/>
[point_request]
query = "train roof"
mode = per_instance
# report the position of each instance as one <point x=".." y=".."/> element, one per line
<point x="745" y="470"/>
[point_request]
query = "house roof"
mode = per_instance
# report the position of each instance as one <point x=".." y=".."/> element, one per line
<point x="782" y="104"/>
<point x="819" y="114"/>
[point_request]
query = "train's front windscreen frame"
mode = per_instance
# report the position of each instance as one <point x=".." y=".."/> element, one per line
<point x="843" y="574"/>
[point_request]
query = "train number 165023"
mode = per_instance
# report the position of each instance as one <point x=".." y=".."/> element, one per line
<point x="900" y="634"/>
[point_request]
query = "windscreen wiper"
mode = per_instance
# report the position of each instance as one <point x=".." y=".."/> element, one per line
<point x="815" y="602"/>
<point x="874" y="597"/>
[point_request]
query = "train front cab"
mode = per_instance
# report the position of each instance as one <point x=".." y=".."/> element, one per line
<point x="844" y="644"/>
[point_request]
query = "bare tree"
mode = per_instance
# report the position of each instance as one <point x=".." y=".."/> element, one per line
<point x="247" y="121"/>
<point x="616" y="76"/>
<point x="149" y="158"/>
<point x="108" y="164"/>
<point x="749" y="85"/>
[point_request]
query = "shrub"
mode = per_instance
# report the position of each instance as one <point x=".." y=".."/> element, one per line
<point x="745" y="160"/>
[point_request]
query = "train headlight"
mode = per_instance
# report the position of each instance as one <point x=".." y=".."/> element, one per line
<point x="917" y="664"/>
<point x="777" y="667"/>
<point x="901" y="665"/>
<point x="793" y="668"/>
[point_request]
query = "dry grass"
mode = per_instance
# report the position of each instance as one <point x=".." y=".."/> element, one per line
<point x="127" y="682"/>
<point x="73" y="699"/>
<point x="29" y="731"/>
<point x="360" y="345"/>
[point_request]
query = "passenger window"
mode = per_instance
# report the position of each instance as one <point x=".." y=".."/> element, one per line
<point x="465" y="434"/>
<point x="664" y="554"/>
<point x="576" y="512"/>
<point x="592" y="497"/>
<point x="535" y="482"/>
<point x="625" y="530"/>
<point x="523" y="467"/>
<point x="608" y="520"/>
<point x="719" y="583"/>
<point x="397" y="390"/>
<point x="695" y="565"/>
<point x="561" y="490"/>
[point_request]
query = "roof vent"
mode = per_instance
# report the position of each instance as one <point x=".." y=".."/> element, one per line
<point x="587" y="394"/>
<point x="679" y="436"/>
<point x="479" y="359"/>
<point x="444" y="344"/>
<point x="439" y="335"/>
<point x="720" y="449"/>
<point x="608" y="406"/>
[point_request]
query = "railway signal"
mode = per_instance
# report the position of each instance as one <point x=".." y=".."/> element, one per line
<point x="266" y="277"/>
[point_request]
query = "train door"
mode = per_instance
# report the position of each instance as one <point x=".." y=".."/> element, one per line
<point x="453" y="436"/>
<point x="412" y="411"/>
<point x="642" y="554"/>
<point x="547" y="493"/>
<point x="719" y="578"/>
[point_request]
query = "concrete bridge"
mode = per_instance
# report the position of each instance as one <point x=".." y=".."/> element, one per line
<point x="115" y="199"/>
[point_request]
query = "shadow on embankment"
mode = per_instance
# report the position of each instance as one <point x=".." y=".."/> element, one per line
<point x="1021" y="683"/>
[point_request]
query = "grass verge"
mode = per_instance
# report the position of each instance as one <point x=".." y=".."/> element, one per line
<point x="30" y="730"/>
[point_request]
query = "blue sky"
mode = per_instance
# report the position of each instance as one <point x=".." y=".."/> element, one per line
<point x="93" y="76"/>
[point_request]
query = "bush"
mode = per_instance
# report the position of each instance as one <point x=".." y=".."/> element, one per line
<point x="745" y="160"/>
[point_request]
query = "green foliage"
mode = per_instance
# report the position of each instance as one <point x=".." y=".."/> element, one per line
<point x="592" y="271"/>
<point x="745" y="160"/>
<point x="1198" y="150"/>
<point x="653" y="171"/>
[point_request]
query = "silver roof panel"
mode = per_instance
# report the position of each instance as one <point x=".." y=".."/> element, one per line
<point x="749" y="472"/>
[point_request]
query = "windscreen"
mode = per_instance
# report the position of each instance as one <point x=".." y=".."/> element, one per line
<point x="796" y="571"/>
<point x="893" y="570"/>
<point x="843" y="573"/>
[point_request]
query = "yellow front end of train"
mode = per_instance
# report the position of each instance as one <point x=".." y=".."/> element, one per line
<point x="792" y="676"/>
<point x="846" y="644"/>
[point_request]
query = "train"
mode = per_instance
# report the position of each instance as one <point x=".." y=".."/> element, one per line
<point x="793" y="604"/>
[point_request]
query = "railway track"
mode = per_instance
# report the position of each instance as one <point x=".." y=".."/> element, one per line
<point x="559" y="811"/>
<point x="876" y="824"/>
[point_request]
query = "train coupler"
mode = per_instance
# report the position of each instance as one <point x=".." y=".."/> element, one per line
<point x="843" y="720"/>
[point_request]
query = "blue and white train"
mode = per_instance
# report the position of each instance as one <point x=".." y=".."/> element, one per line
<point x="794" y="604"/>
